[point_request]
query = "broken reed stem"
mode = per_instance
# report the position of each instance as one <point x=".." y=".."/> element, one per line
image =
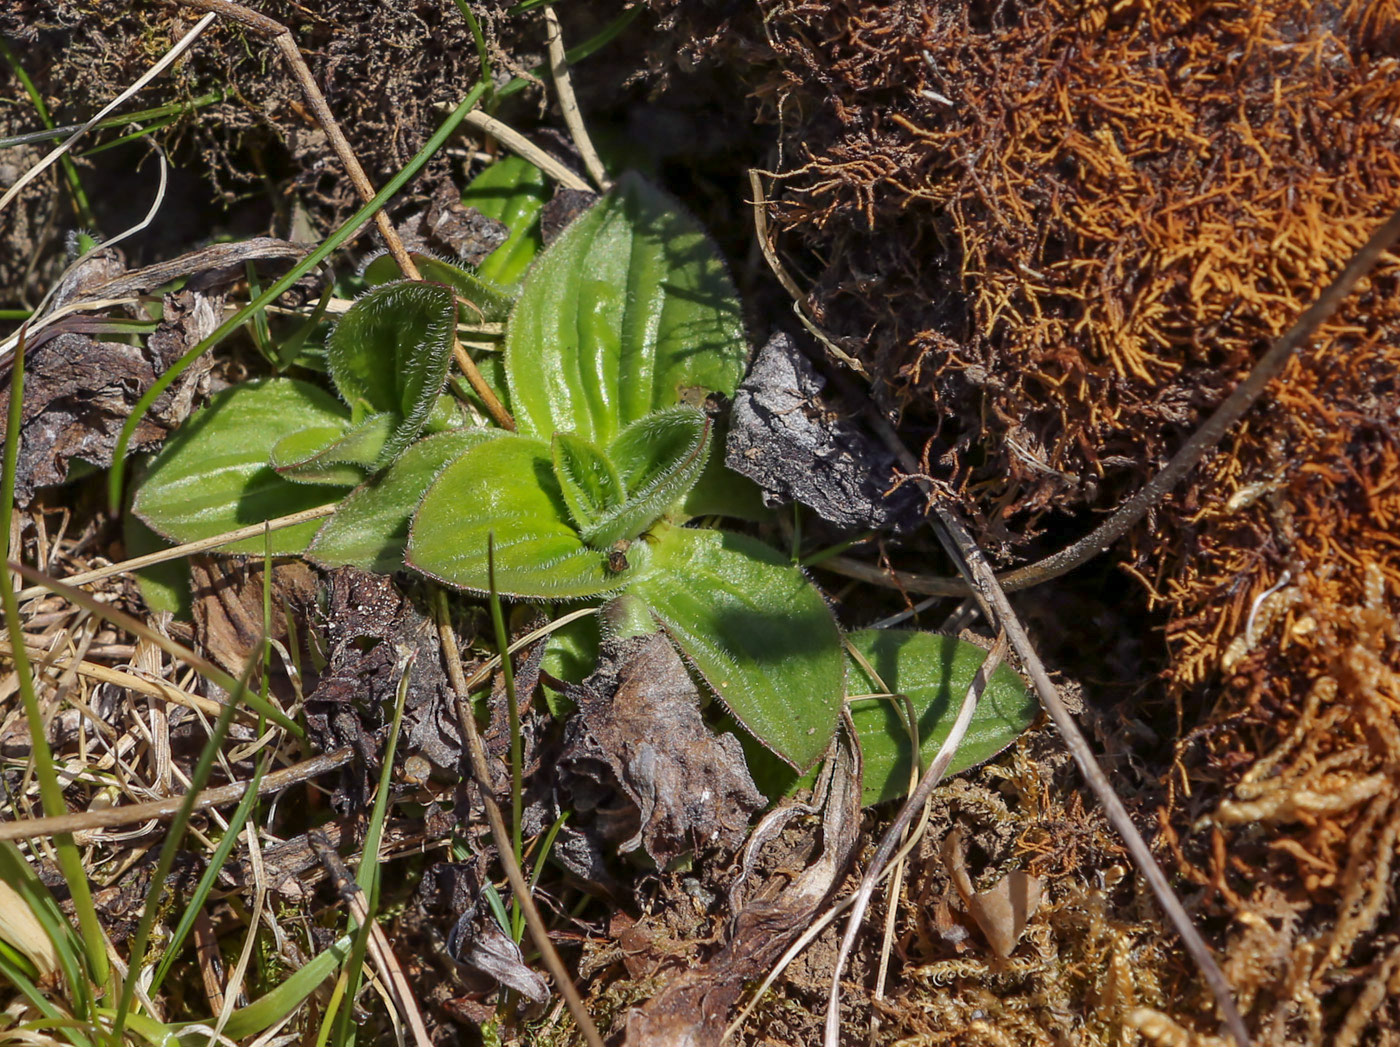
<point x="134" y="813"/>
<point x="893" y="834"/>
<point x="285" y="43"/>
<point x="573" y="117"/>
<point x="481" y="771"/>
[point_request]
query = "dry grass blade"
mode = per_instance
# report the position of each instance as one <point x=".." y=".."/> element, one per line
<point x="760" y="221"/>
<point x="539" y="933"/>
<point x="521" y="146"/>
<point x="131" y="814"/>
<point x="890" y="841"/>
<point x="176" y="650"/>
<point x="106" y="674"/>
<point x="564" y="88"/>
<point x="188" y="549"/>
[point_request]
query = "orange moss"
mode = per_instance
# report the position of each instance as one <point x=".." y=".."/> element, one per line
<point x="1063" y="232"/>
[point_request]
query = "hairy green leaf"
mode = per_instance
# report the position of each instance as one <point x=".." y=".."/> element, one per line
<point x="507" y="486"/>
<point x="587" y="479"/>
<point x="370" y="529"/>
<point x="492" y="302"/>
<point x="512" y="191"/>
<point x="630" y="310"/>
<point x="659" y="456"/>
<point x="934" y="672"/>
<point x="213" y="475"/>
<point x="390" y="353"/>
<point x="757" y="630"/>
<point x="327" y="455"/>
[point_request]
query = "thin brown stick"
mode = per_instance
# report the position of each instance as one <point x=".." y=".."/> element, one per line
<point x="494" y="407"/>
<point x="481" y="771"/>
<point x="380" y="951"/>
<point x="997" y="607"/>
<point x="283" y="40"/>
<point x="573" y="116"/>
<point x="1127" y="515"/>
<point x="105" y="674"/>
<point x="131" y="814"/>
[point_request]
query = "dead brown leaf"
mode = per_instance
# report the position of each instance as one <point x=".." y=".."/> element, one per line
<point x="693" y="1008"/>
<point x="1001" y="912"/>
<point x="638" y="755"/>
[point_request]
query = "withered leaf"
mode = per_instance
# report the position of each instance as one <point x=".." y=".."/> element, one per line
<point x="476" y="941"/>
<point x="789" y="440"/>
<point x="366" y="621"/>
<point x="1001" y="912"/>
<point x="78" y="392"/>
<point x="638" y="755"/>
<point x="228" y="604"/>
<point x="451" y="228"/>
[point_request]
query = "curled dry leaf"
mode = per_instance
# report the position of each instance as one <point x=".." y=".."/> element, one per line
<point x="1001" y="912"/>
<point x="478" y="942"/>
<point x="450" y="228"/>
<point x="786" y="438"/>
<point x="79" y="391"/>
<point x="367" y="621"/>
<point x="638" y="732"/>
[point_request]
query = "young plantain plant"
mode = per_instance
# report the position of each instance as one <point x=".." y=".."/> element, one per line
<point x="623" y="339"/>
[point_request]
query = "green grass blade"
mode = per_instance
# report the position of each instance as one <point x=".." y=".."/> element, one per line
<point x="498" y="623"/>
<point x="50" y="791"/>
<point x="176" y="109"/>
<point x="17" y="873"/>
<point x="275" y="1005"/>
<point x="17" y="977"/>
<point x="206" y="881"/>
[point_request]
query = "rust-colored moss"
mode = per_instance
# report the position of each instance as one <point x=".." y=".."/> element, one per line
<point x="1060" y="233"/>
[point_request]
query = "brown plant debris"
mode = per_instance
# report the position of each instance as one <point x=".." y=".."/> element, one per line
<point x="769" y="912"/>
<point x="638" y="756"/>
<point x="786" y="437"/>
<point x="78" y="391"/>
